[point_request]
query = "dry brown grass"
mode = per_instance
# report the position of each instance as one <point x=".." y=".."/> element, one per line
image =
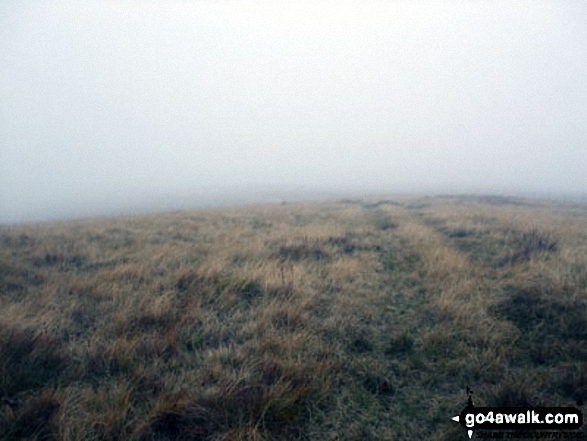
<point x="331" y="320"/>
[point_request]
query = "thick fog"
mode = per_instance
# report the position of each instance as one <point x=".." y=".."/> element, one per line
<point x="121" y="106"/>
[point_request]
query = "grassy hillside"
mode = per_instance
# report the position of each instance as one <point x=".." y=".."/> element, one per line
<point x="335" y="320"/>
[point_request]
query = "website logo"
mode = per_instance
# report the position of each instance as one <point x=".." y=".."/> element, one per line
<point x="517" y="419"/>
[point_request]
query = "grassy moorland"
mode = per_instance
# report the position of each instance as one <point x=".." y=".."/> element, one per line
<point x="355" y="319"/>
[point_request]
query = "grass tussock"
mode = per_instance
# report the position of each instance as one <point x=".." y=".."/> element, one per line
<point x="29" y="359"/>
<point x="525" y="245"/>
<point x="357" y="319"/>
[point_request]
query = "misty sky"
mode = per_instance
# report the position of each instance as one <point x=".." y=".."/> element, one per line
<point x="106" y="103"/>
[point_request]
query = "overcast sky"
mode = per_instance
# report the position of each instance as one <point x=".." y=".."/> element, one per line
<point x="103" y="104"/>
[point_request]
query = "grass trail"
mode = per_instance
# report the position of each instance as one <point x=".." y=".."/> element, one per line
<point x="346" y="320"/>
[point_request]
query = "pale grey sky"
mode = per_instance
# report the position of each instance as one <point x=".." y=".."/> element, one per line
<point x="113" y="104"/>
